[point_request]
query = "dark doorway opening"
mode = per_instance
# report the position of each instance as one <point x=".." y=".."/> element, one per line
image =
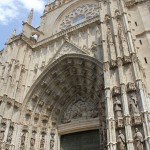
<point x="87" y="140"/>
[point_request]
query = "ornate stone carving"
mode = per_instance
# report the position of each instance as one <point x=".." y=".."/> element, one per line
<point x="138" y="139"/>
<point x="42" y="142"/>
<point x="52" y="140"/>
<point x="66" y="49"/>
<point x="81" y="108"/>
<point x="107" y="19"/>
<point x="32" y="141"/>
<point x="117" y="108"/>
<point x="133" y="105"/>
<point x="121" y="141"/>
<point x="10" y="133"/>
<point x="23" y="138"/>
<point x="2" y="130"/>
<point x="126" y="60"/>
<point x="116" y="91"/>
<point x="131" y="87"/>
<point x="93" y="47"/>
<point x="117" y="14"/>
<point x="136" y="119"/>
<point x="81" y="13"/>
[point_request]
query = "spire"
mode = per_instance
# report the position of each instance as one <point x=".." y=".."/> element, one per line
<point x="30" y="17"/>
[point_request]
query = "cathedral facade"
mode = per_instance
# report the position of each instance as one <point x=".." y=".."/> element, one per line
<point x="79" y="81"/>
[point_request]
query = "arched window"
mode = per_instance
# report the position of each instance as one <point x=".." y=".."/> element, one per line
<point x="79" y="19"/>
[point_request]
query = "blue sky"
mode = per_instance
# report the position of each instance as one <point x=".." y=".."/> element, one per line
<point x="13" y="12"/>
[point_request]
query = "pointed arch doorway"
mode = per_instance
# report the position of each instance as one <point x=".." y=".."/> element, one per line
<point x="68" y="99"/>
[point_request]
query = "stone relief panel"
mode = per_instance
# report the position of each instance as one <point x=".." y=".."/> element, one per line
<point x="67" y="48"/>
<point x="80" y="14"/>
<point x="81" y="108"/>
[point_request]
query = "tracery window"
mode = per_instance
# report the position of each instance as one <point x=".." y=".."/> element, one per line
<point x="79" y="19"/>
<point x="79" y="15"/>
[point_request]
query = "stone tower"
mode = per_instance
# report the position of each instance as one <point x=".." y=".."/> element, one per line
<point x="85" y="68"/>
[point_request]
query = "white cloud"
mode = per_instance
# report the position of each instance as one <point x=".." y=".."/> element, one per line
<point x="10" y="9"/>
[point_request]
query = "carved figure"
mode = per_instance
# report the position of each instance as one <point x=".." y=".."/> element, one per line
<point x="133" y="104"/>
<point x="32" y="141"/>
<point x="121" y="141"/>
<point x="10" y="133"/>
<point x="23" y="138"/>
<point x="120" y="30"/>
<point x="117" y="107"/>
<point x="42" y="142"/>
<point x="52" y="144"/>
<point x="138" y="138"/>
<point x="80" y="108"/>
<point x="109" y="35"/>
<point x="2" y="131"/>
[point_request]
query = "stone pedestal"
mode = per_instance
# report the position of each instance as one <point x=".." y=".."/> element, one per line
<point x="119" y="122"/>
<point x="136" y="119"/>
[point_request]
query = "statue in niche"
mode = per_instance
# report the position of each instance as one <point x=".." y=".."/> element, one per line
<point x="133" y="104"/>
<point x="138" y="138"/>
<point x="52" y="141"/>
<point x="52" y="144"/>
<point x="120" y="30"/>
<point x="9" y="136"/>
<point x="32" y="141"/>
<point x="42" y="142"/>
<point x="109" y="35"/>
<point x="2" y="131"/>
<point x="121" y="141"/>
<point x="23" y="138"/>
<point x="117" y="108"/>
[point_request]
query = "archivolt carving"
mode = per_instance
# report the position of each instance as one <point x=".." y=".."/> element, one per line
<point x="82" y="13"/>
<point x="81" y="108"/>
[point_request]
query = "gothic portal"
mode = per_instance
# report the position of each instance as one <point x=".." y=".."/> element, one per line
<point x="79" y="81"/>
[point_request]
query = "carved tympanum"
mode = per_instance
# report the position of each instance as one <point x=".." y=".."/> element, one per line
<point x="81" y="108"/>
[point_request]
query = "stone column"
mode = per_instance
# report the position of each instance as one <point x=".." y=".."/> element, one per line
<point x="111" y="133"/>
<point x="137" y="75"/>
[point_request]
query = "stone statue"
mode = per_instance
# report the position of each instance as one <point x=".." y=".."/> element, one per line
<point x="23" y="138"/>
<point x="121" y="141"/>
<point x="42" y="142"/>
<point x="133" y="104"/>
<point x="138" y="138"/>
<point x="52" y="144"/>
<point x="109" y="35"/>
<point x="120" y="30"/>
<point x="117" y="108"/>
<point x="2" y="132"/>
<point x="32" y="141"/>
<point x="9" y="136"/>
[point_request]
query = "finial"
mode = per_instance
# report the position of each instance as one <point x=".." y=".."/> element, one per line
<point x="12" y="35"/>
<point x="30" y="17"/>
